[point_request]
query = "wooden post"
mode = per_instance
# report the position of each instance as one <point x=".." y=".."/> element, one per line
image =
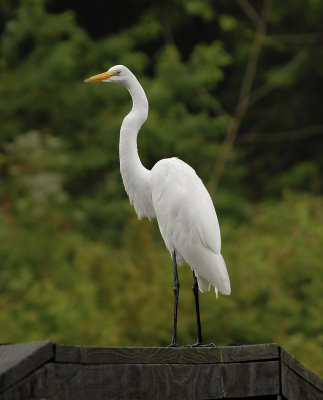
<point x="44" y="370"/>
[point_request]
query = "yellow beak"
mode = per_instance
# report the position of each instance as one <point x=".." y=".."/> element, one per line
<point x="100" y="77"/>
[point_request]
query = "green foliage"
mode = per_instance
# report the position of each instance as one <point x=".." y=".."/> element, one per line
<point x="74" y="290"/>
<point x="202" y="9"/>
<point x="76" y="264"/>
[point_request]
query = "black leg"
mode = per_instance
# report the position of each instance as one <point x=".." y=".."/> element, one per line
<point x="199" y="342"/>
<point x="176" y="293"/>
<point x="195" y="288"/>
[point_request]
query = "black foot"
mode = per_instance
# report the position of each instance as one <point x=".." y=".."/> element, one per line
<point x="173" y="345"/>
<point x="201" y="345"/>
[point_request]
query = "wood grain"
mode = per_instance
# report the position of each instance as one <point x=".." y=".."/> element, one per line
<point x="19" y="360"/>
<point x="158" y="381"/>
<point x="35" y="371"/>
<point x="295" y="387"/>
<point x="301" y="370"/>
<point x="164" y="355"/>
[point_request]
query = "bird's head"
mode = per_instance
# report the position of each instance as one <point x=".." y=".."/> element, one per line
<point x="116" y="74"/>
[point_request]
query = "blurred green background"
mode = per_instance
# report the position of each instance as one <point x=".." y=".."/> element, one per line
<point x="235" y="89"/>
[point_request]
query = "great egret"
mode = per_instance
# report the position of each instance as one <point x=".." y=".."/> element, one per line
<point x="173" y="193"/>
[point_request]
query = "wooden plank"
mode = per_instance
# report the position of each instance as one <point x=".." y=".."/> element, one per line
<point x="36" y="386"/>
<point x="165" y="355"/>
<point x="43" y="370"/>
<point x="295" y="387"/>
<point x="22" y="390"/>
<point x="301" y="370"/>
<point x="157" y="381"/>
<point x="19" y="360"/>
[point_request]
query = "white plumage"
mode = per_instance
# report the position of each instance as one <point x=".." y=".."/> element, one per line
<point x="188" y="223"/>
<point x="173" y="193"/>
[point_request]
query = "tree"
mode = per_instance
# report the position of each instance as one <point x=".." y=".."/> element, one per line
<point x="234" y="91"/>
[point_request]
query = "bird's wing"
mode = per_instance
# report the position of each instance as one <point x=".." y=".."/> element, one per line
<point x="187" y="221"/>
<point x="183" y="206"/>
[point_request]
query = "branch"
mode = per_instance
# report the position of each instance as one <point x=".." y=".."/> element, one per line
<point x="298" y="39"/>
<point x="250" y="12"/>
<point x="297" y="134"/>
<point x="243" y="102"/>
<point x="291" y="66"/>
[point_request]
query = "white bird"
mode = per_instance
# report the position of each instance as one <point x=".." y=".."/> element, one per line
<point x="173" y="193"/>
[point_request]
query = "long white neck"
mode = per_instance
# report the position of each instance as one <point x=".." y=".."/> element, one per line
<point x="134" y="175"/>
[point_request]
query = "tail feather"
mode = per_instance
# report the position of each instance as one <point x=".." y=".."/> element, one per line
<point x="222" y="278"/>
<point x="204" y="285"/>
<point x="211" y="270"/>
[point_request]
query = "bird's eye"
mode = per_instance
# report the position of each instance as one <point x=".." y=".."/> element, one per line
<point x="117" y="73"/>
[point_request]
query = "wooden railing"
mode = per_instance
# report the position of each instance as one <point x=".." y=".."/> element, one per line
<point x="43" y="370"/>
